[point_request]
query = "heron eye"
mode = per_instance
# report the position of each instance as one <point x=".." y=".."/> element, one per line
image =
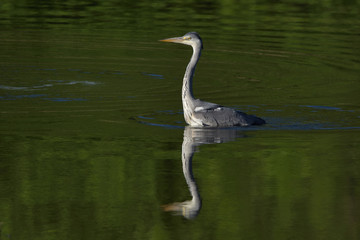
<point x="186" y="38"/>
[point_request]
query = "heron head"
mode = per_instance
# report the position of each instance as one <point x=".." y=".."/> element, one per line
<point x="191" y="38"/>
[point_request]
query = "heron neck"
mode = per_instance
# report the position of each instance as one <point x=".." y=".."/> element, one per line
<point x="187" y="90"/>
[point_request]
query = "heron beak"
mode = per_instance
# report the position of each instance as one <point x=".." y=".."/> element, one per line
<point x="174" y="40"/>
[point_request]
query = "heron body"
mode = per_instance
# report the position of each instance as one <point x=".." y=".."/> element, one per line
<point x="198" y="113"/>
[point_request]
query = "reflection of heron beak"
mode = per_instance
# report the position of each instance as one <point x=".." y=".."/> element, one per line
<point x="174" y="40"/>
<point x="171" y="207"/>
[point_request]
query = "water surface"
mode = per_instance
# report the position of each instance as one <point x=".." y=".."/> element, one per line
<point x="93" y="144"/>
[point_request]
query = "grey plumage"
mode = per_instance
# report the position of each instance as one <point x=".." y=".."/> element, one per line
<point x="199" y="113"/>
<point x="215" y="115"/>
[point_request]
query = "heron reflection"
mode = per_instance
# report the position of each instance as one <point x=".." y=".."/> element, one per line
<point x="194" y="137"/>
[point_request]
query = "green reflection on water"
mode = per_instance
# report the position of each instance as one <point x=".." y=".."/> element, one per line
<point x="76" y="164"/>
<point x="76" y="188"/>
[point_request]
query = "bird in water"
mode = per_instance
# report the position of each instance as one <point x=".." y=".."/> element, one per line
<point x="198" y="113"/>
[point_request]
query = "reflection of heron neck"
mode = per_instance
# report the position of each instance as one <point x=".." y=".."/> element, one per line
<point x="187" y="90"/>
<point x="188" y="149"/>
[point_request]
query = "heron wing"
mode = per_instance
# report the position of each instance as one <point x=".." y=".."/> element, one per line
<point x="214" y="115"/>
<point x="221" y="116"/>
<point x="201" y="106"/>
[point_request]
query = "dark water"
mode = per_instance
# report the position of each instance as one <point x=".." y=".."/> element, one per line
<point x="92" y="137"/>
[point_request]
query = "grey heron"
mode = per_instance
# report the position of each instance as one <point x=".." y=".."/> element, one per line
<point x="198" y="113"/>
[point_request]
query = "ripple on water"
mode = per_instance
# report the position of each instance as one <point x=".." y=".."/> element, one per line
<point x="51" y="83"/>
<point x="302" y="117"/>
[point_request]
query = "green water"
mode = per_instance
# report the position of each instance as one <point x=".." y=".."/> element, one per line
<point x="92" y="137"/>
